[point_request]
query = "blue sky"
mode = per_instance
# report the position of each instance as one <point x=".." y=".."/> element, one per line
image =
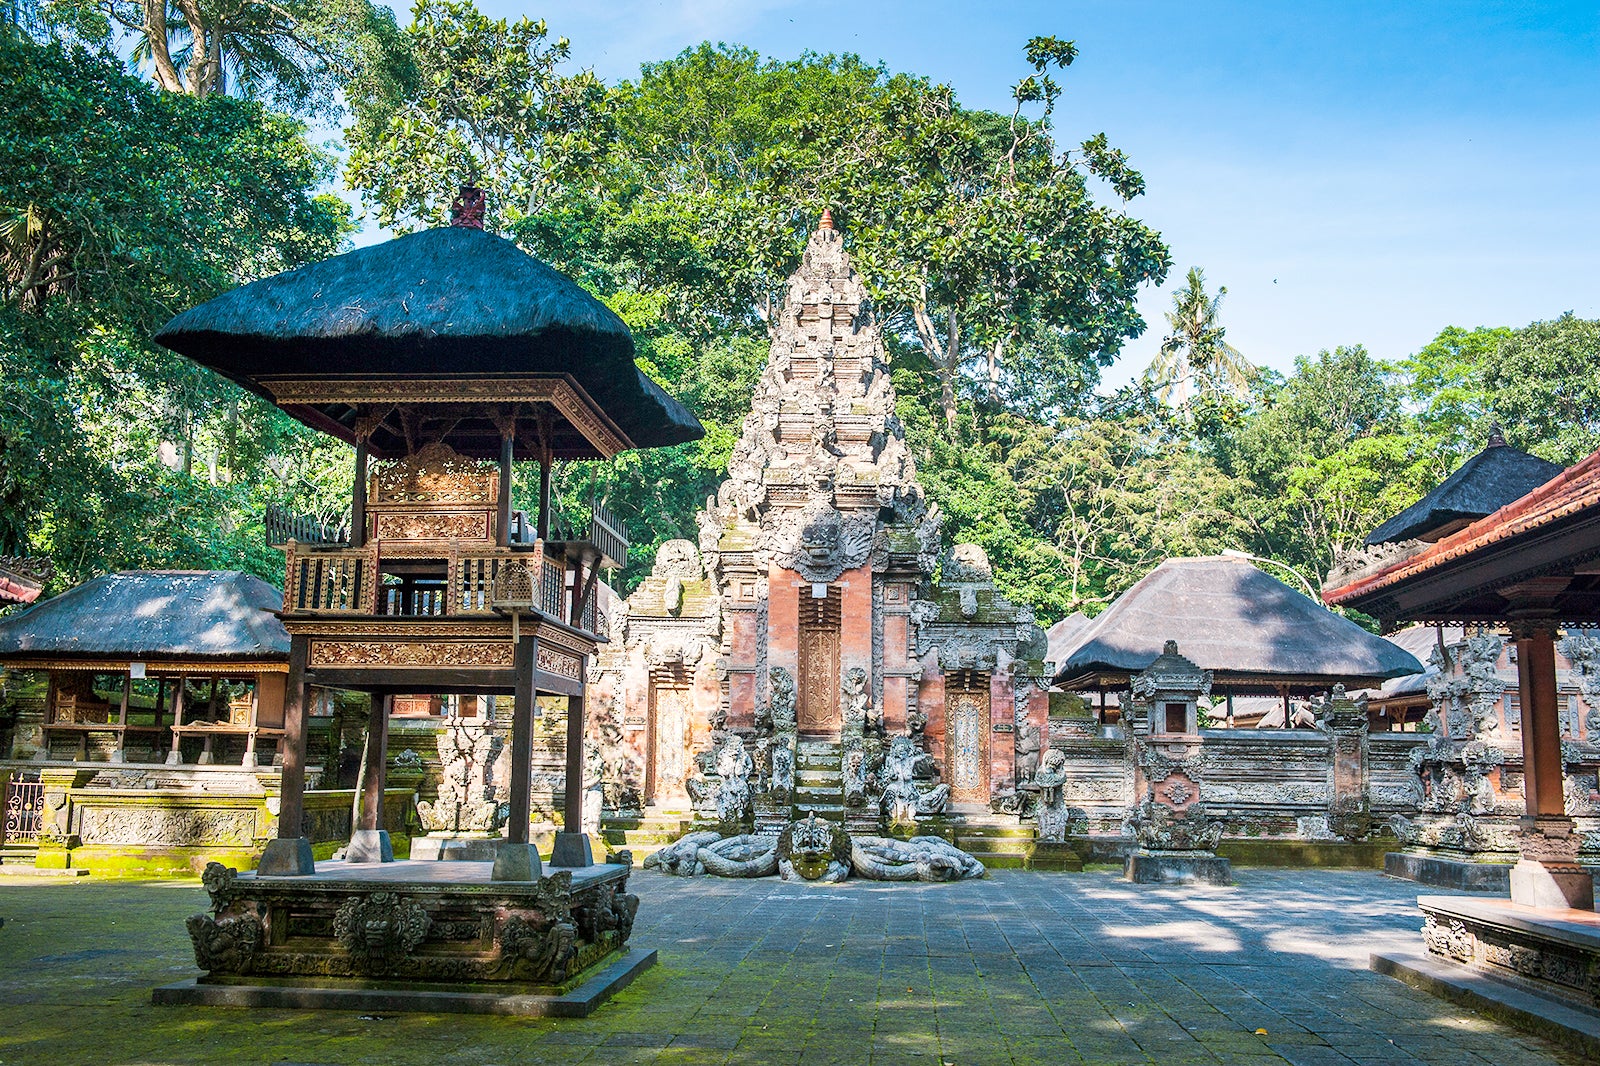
<point x="1352" y="172"/>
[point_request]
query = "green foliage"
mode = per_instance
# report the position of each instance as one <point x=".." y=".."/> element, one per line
<point x="131" y="204"/>
<point x="1195" y="360"/>
<point x="1544" y="384"/>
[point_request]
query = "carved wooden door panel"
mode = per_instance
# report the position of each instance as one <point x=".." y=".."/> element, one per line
<point x="967" y="744"/>
<point x="669" y="742"/>
<point x="819" y="680"/>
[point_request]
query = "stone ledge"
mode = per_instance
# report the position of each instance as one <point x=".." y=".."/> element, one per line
<point x="1573" y="928"/>
<point x="1177" y="869"/>
<point x="1569" y="1026"/>
<point x="1455" y="874"/>
<point x="394" y="996"/>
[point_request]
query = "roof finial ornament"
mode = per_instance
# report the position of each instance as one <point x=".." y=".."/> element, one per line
<point x="467" y="209"/>
<point x="1497" y="439"/>
<point x="827" y="219"/>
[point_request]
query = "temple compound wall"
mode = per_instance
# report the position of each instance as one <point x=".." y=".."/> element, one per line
<point x="815" y="620"/>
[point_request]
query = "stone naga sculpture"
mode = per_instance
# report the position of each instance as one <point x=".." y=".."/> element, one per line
<point x="917" y="859"/>
<point x="812" y="849"/>
<point x="708" y="852"/>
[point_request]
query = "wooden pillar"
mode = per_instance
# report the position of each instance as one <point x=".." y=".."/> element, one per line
<point x="523" y="660"/>
<point x="572" y="845"/>
<point x="544" y="496"/>
<point x="118" y="754"/>
<point x="1541" y="722"/>
<point x="290" y="853"/>
<point x="516" y="859"/>
<point x="503" y="500"/>
<point x="369" y="841"/>
<point x="1548" y="874"/>
<point x="175" y="756"/>
<point x="358" y="499"/>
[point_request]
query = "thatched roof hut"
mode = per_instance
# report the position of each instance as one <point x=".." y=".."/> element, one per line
<point x="443" y="305"/>
<point x="1253" y="632"/>
<point x="1063" y="636"/>
<point x="1479" y="487"/>
<point x="205" y="615"/>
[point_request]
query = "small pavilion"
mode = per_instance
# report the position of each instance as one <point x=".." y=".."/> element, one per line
<point x="1533" y="567"/>
<point x="156" y="666"/>
<point x="1256" y="635"/>
<point x="444" y="357"/>
<point x="22" y="579"/>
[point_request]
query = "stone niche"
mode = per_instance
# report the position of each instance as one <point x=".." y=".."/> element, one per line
<point x="816" y="619"/>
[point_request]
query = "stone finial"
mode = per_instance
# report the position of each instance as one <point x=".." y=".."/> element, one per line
<point x="827" y="219"/>
<point x="1170" y="648"/>
<point x="467" y="208"/>
<point x="1497" y="439"/>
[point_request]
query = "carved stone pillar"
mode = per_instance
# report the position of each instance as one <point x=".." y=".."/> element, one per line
<point x="572" y="846"/>
<point x="1548" y="874"/>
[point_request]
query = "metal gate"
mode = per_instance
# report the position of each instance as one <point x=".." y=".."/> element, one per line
<point x="24" y="802"/>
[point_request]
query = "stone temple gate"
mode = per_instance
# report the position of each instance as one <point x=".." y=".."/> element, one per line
<point x="815" y="622"/>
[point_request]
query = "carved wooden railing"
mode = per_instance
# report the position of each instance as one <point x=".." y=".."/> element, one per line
<point x="340" y="581"/>
<point x="283" y="526"/>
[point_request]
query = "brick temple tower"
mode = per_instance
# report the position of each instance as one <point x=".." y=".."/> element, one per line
<point x="807" y="615"/>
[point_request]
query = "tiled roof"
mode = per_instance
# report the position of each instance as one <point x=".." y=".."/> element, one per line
<point x="1574" y="490"/>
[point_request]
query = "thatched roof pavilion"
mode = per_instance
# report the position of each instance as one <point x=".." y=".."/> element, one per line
<point x="438" y="309"/>
<point x="1256" y="634"/>
<point x="1479" y="487"/>
<point x="213" y="615"/>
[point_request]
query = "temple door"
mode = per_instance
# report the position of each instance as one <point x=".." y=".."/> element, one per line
<point x="967" y="736"/>
<point x="668" y="768"/>
<point x="818" y="710"/>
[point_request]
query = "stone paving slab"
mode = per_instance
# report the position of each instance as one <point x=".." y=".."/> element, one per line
<point x="1019" y="968"/>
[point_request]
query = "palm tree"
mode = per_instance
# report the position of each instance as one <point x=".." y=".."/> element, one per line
<point x="1194" y="358"/>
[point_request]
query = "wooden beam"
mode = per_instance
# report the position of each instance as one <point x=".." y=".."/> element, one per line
<point x="526" y="656"/>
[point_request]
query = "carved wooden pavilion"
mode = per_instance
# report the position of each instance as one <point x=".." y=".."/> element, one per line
<point x="1532" y="566"/>
<point x="444" y="357"/>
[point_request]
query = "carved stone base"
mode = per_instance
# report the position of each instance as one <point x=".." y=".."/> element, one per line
<point x="287" y="857"/>
<point x="516" y="862"/>
<point x="1177" y="868"/>
<point x="409" y="927"/>
<point x="572" y="849"/>
<point x="1552" y="885"/>
<point x="456" y="847"/>
<point x="1547" y="952"/>
<point x="369" y="845"/>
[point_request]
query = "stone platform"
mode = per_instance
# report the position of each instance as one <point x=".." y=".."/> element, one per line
<point x="414" y="935"/>
<point x="1455" y="874"/>
<point x="1538" y="968"/>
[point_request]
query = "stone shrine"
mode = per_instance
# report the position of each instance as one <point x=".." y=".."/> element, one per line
<point x="815" y="627"/>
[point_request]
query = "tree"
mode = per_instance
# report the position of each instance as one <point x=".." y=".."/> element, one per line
<point x="297" y="55"/>
<point x="1543" y="383"/>
<point x="133" y="204"/>
<point x="481" y="102"/>
<point x="1194" y="357"/>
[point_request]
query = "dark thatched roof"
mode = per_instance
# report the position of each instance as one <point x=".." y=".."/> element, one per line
<point x="1479" y="487"/>
<point x="1063" y="636"/>
<point x="152" y="614"/>
<point x="1246" y="626"/>
<point x="451" y="303"/>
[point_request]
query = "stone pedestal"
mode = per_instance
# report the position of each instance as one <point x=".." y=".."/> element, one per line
<point x="572" y="849"/>
<point x="286" y="857"/>
<point x="369" y="845"/>
<point x="1177" y="868"/>
<point x="516" y="862"/>
<point x="1552" y="885"/>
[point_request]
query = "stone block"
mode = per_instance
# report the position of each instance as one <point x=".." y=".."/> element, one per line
<point x="1176" y="868"/>
<point x="1551" y="885"/>
<point x="516" y="862"/>
<point x="369" y="845"/>
<point x="287" y="857"/>
<point x="572" y="849"/>
<point x="1453" y="874"/>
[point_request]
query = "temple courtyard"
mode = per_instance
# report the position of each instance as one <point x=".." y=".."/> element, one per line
<point x="1016" y="968"/>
